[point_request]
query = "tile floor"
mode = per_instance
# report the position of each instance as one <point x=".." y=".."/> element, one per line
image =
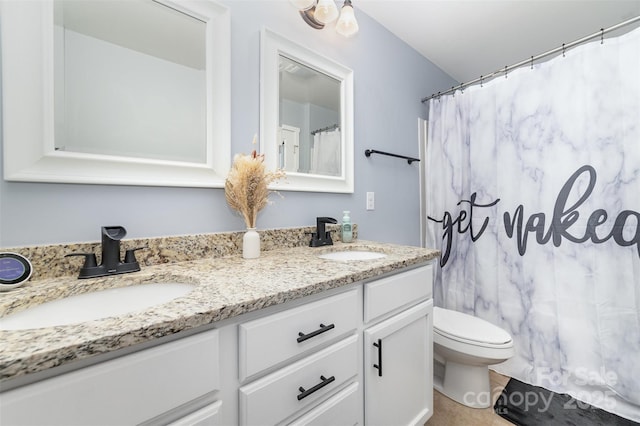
<point x="447" y="412"/>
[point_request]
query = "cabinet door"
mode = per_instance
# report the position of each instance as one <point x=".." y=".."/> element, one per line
<point x="398" y="362"/>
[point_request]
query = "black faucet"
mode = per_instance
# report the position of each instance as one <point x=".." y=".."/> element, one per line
<point x="111" y="264"/>
<point x="322" y="237"/>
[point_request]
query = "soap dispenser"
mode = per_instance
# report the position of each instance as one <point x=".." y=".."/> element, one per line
<point x="345" y="229"/>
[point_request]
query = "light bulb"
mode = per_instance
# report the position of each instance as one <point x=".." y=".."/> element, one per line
<point x="347" y="24"/>
<point x="303" y="4"/>
<point x="326" y="11"/>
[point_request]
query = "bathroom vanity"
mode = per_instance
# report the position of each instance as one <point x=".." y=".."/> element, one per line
<point x="289" y="338"/>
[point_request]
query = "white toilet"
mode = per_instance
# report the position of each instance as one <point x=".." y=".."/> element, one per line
<point x="464" y="347"/>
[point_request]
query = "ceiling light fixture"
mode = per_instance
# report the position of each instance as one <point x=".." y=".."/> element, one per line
<point x="347" y="24"/>
<point x="326" y="11"/>
<point x="318" y="13"/>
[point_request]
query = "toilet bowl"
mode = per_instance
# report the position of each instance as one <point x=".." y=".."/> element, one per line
<point x="464" y="347"/>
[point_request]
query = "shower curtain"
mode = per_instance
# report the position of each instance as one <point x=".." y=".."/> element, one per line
<point x="533" y="186"/>
<point x="325" y="156"/>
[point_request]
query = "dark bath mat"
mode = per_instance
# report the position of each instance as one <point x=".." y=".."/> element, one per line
<point x="526" y="405"/>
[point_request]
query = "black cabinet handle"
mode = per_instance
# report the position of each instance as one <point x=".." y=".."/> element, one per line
<point x="302" y="337"/>
<point x="379" y="364"/>
<point x="323" y="383"/>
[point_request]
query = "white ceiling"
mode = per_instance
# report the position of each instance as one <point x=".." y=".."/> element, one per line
<point x="467" y="39"/>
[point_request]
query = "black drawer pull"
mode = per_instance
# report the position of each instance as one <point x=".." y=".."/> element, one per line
<point x="302" y="337"/>
<point x="379" y="364"/>
<point x="323" y="383"/>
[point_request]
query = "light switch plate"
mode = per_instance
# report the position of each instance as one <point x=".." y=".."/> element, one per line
<point x="371" y="201"/>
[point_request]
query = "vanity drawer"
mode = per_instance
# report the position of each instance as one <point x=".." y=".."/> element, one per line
<point x="387" y="294"/>
<point x="206" y="416"/>
<point x="300" y="385"/>
<point x="268" y="341"/>
<point x="342" y="408"/>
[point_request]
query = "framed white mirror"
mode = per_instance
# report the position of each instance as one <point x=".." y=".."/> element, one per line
<point x="306" y="116"/>
<point x="116" y="92"/>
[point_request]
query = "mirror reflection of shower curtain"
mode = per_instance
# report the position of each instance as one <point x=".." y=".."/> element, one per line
<point x="325" y="155"/>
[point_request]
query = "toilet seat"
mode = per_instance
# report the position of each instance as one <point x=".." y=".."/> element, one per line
<point x="468" y="329"/>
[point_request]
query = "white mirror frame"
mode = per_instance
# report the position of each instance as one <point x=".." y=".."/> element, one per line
<point x="27" y="107"/>
<point x="272" y="45"/>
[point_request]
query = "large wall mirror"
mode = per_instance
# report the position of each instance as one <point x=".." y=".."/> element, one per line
<point x="116" y="92"/>
<point x="306" y="116"/>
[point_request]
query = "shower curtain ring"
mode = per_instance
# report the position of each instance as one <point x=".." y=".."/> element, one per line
<point x="532" y="62"/>
<point x="563" y="50"/>
<point x="505" y="71"/>
<point x="601" y="35"/>
<point x="481" y="82"/>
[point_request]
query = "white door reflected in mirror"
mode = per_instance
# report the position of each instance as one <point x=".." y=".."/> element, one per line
<point x="289" y="150"/>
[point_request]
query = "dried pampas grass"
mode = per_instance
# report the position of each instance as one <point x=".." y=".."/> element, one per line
<point x="246" y="187"/>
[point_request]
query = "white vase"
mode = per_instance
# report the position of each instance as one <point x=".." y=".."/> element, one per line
<point x="251" y="244"/>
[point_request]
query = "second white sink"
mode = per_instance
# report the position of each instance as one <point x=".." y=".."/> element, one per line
<point x="347" y="255"/>
<point x="95" y="305"/>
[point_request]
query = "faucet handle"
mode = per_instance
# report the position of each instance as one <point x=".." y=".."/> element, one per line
<point x="89" y="259"/>
<point x="130" y="254"/>
<point x="90" y="267"/>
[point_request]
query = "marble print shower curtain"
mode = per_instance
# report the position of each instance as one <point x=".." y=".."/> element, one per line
<point x="534" y="199"/>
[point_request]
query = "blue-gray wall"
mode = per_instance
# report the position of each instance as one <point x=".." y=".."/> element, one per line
<point x="390" y="78"/>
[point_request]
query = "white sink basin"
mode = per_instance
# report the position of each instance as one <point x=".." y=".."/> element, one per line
<point x="348" y="255"/>
<point x="95" y="305"/>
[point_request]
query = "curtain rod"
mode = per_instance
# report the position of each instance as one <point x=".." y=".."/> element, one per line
<point x="332" y="127"/>
<point x="506" y="69"/>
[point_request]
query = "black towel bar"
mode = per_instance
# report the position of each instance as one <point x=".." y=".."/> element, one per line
<point x="410" y="160"/>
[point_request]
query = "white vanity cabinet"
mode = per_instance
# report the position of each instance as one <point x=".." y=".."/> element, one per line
<point x="356" y="355"/>
<point x="398" y="351"/>
<point x="136" y="388"/>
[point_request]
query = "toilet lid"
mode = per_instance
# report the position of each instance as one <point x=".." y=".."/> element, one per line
<point x="457" y="325"/>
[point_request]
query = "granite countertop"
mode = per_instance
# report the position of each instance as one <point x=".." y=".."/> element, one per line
<point x="225" y="287"/>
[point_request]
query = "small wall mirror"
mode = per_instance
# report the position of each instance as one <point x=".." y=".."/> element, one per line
<point x="113" y="92"/>
<point x="306" y="116"/>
